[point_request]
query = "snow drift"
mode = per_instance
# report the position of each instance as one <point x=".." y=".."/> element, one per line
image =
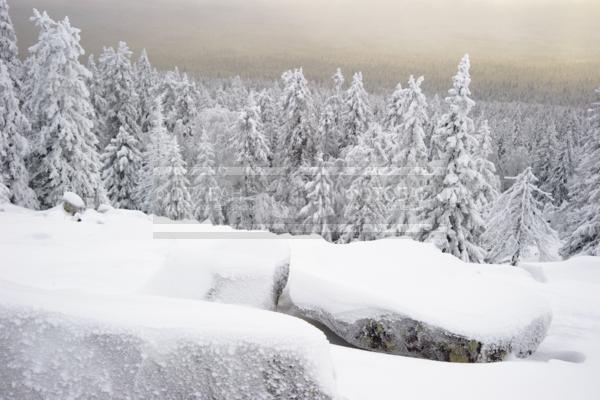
<point x="114" y="251"/>
<point x="69" y="345"/>
<point x="403" y="297"/>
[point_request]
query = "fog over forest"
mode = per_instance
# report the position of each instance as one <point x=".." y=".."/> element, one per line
<point x="547" y="47"/>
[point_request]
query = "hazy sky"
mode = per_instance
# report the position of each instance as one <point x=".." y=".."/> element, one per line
<point x="265" y="36"/>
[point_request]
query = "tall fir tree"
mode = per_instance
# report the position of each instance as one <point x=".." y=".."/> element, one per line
<point x="584" y="210"/>
<point x="410" y="167"/>
<point x="207" y="196"/>
<point x="120" y="171"/>
<point x="364" y="211"/>
<point x="173" y="193"/>
<point x="14" y="148"/>
<point x="558" y="183"/>
<point x="251" y="150"/>
<point x="451" y="213"/>
<point x="148" y="196"/>
<point x="318" y="212"/>
<point x="395" y="108"/>
<point x="517" y="225"/>
<point x="298" y="142"/>
<point x="9" y="52"/>
<point x="545" y="156"/>
<point x="357" y="114"/>
<point x="488" y="190"/>
<point x="268" y="119"/>
<point x="65" y="157"/>
<point x="121" y="108"/>
<point x="330" y="119"/>
<point x="146" y="86"/>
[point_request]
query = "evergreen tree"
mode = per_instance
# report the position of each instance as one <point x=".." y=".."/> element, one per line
<point x="318" y="212"/>
<point x="251" y="151"/>
<point x="146" y="82"/>
<point x="545" y="156"/>
<point x="364" y="210"/>
<point x="206" y="193"/>
<point x="330" y="120"/>
<point x="517" y="224"/>
<point x="488" y="191"/>
<point x="154" y="153"/>
<point x="119" y="94"/>
<point x="451" y="213"/>
<point x="9" y="52"/>
<point x="120" y="172"/>
<point x="410" y="161"/>
<point x="558" y="183"/>
<point x="357" y="114"/>
<point x="298" y="144"/>
<point x="64" y="155"/>
<point x="13" y="146"/>
<point x="268" y="119"/>
<point x="583" y="210"/>
<point x="173" y="194"/>
<point x="395" y="108"/>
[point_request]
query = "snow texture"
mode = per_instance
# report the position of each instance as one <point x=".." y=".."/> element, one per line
<point x="403" y="297"/>
<point x="70" y="345"/>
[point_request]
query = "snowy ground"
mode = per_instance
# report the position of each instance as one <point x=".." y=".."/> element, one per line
<point x="115" y="254"/>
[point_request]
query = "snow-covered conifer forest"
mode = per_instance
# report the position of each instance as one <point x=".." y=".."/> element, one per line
<point x="496" y="204"/>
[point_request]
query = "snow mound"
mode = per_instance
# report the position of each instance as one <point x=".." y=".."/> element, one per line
<point x="116" y="251"/>
<point x="70" y="345"/>
<point x="72" y="203"/>
<point x="403" y="297"/>
<point x="244" y="272"/>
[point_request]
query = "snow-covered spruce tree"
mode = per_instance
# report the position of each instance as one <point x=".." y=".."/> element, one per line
<point x="146" y="85"/>
<point x="317" y="214"/>
<point x="173" y="194"/>
<point x="13" y="146"/>
<point x="357" y="114"/>
<point x="268" y="119"/>
<point x="545" y="156"/>
<point x="395" y="108"/>
<point x="452" y="216"/>
<point x="488" y="191"/>
<point x="583" y="210"/>
<point x="410" y="160"/>
<point x="147" y="191"/>
<point x="298" y="141"/>
<point x="64" y="152"/>
<point x="251" y="151"/>
<point x="558" y="184"/>
<point x="207" y="196"/>
<point x="364" y="211"/>
<point x="330" y="120"/>
<point x="9" y="52"/>
<point x="121" y="168"/>
<point x="119" y="93"/>
<point x="180" y="108"/>
<point x="517" y="226"/>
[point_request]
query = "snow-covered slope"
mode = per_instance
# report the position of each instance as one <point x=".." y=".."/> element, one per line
<point x="404" y="297"/>
<point x="114" y="252"/>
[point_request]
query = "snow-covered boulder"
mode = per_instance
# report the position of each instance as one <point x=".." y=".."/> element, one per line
<point x="72" y="203"/>
<point x="403" y="297"/>
<point x="57" y="345"/>
<point x="251" y="272"/>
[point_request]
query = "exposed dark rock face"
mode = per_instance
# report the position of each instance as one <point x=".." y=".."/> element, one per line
<point x="392" y="333"/>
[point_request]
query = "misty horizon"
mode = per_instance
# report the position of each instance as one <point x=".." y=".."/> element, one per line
<point x="540" y="42"/>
